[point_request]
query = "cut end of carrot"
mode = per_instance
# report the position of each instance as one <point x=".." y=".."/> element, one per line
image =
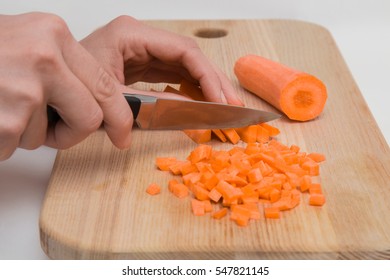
<point x="304" y="98"/>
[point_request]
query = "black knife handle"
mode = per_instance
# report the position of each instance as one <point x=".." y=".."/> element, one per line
<point x="134" y="103"/>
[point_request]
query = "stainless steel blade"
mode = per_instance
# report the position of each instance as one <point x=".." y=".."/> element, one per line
<point x="173" y="114"/>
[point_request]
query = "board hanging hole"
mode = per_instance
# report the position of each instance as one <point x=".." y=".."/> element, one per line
<point x="210" y="33"/>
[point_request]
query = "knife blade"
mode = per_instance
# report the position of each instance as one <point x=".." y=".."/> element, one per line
<point x="152" y="113"/>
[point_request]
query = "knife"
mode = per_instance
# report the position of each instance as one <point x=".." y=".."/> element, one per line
<point x="153" y="113"/>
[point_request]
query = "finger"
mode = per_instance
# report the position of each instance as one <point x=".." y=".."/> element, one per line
<point x="35" y="133"/>
<point x="179" y="49"/>
<point x="80" y="114"/>
<point x="18" y="102"/>
<point x="9" y="139"/>
<point x="167" y="95"/>
<point x="117" y="115"/>
<point x="227" y="89"/>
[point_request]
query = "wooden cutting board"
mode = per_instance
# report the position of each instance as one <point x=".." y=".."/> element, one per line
<point x="96" y="206"/>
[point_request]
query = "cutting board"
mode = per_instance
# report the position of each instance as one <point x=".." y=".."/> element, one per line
<point x="96" y="206"/>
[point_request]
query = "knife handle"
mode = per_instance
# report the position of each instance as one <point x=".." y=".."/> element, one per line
<point x="134" y="103"/>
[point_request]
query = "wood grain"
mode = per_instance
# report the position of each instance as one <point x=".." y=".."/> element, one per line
<point x="96" y="206"/>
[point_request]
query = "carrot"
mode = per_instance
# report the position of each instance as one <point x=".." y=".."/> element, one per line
<point x="198" y="207"/>
<point x="201" y="152"/>
<point x="191" y="90"/>
<point x="199" y="135"/>
<point x="178" y="189"/>
<point x="299" y="95"/>
<point x="317" y="199"/>
<point x="220" y="213"/>
<point x="153" y="189"/>
<point x="272" y="213"/>
<point x="232" y="135"/>
<point x="219" y="134"/>
<point x="272" y="131"/>
<point x="164" y="163"/>
<point x="248" y="134"/>
<point x="242" y="180"/>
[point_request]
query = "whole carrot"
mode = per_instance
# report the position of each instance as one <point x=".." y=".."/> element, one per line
<point x="297" y="94"/>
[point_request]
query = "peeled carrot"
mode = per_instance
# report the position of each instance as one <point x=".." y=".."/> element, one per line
<point x="317" y="199"/>
<point x="153" y="189"/>
<point x="232" y="135"/>
<point x="198" y="207"/>
<point x="272" y="213"/>
<point x="199" y="135"/>
<point x="191" y="90"/>
<point x="178" y="189"/>
<point x="220" y="213"/>
<point x="299" y="95"/>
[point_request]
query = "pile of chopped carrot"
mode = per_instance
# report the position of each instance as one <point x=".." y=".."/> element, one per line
<point x="261" y="179"/>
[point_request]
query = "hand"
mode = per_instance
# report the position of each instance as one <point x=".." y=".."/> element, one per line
<point x="132" y="52"/>
<point x="41" y="63"/>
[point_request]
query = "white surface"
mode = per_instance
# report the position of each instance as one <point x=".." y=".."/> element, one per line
<point x="360" y="28"/>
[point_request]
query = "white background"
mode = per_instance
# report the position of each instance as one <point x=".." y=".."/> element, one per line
<point x="360" y="28"/>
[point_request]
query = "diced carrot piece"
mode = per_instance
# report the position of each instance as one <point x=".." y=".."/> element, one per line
<point x="214" y="195"/>
<point x="253" y="210"/>
<point x="219" y="134"/>
<point x="316" y="199"/>
<point x="305" y="183"/>
<point x="317" y="157"/>
<point x="274" y="195"/>
<point x="202" y="152"/>
<point x="254" y="175"/>
<point x="232" y="135"/>
<point x="178" y="189"/>
<point x="198" y="207"/>
<point x="153" y="189"/>
<point x="262" y="135"/>
<point x="207" y="206"/>
<point x="315" y="188"/>
<point x="163" y="163"/>
<point x="248" y="134"/>
<point x="199" y="136"/>
<point x="311" y="166"/>
<point x="240" y="214"/>
<point x="272" y="131"/>
<point x="191" y="90"/>
<point x="187" y="167"/>
<point x="272" y="213"/>
<point x="220" y="213"/>
<point x="200" y="192"/>
<point x="191" y="178"/>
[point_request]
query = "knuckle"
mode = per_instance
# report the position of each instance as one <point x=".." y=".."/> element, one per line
<point x="45" y="58"/>
<point x="54" y="24"/>
<point x="123" y="21"/>
<point x="11" y="129"/>
<point x="105" y="86"/>
<point x="45" y="54"/>
<point x="32" y="99"/>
